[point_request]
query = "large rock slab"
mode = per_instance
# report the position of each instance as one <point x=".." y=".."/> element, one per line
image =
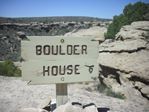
<point x="136" y="63"/>
<point x="126" y="59"/>
<point x="123" y="46"/>
<point x="137" y="30"/>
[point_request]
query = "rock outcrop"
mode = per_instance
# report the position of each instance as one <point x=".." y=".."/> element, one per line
<point x="96" y="31"/>
<point x="21" y="35"/>
<point x="77" y="108"/>
<point x="124" y="61"/>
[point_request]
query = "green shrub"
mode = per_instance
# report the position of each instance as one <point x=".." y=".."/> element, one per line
<point x="109" y="92"/>
<point x="7" y="68"/>
<point x="115" y="26"/>
<point x="131" y="12"/>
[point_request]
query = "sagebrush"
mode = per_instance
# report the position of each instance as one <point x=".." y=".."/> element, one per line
<point x="7" y="68"/>
<point x="109" y="92"/>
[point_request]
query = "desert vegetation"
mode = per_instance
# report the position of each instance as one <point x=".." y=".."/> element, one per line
<point x="102" y="88"/>
<point x="7" y="68"/>
<point x="132" y="12"/>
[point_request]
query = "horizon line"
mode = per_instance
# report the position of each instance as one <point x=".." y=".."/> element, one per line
<point x="50" y="16"/>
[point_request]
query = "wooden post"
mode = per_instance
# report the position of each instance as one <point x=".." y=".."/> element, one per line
<point x="61" y="94"/>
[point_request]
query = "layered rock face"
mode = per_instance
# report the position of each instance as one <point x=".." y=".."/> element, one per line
<point x="124" y="61"/>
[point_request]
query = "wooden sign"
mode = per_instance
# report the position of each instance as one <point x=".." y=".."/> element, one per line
<point x="59" y="59"/>
<point x="59" y="48"/>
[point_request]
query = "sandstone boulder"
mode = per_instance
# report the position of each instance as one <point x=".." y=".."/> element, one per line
<point x="77" y="108"/>
<point x="145" y="91"/>
<point x="69" y="108"/>
<point x="127" y="58"/>
<point x="21" y="35"/>
<point x="123" y="46"/>
<point x="137" y="30"/>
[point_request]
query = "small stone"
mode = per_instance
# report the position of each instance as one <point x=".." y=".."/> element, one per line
<point x="21" y="35"/>
<point x="145" y="90"/>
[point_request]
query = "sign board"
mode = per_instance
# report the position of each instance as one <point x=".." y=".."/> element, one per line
<point x="59" y="59"/>
<point x="59" y="48"/>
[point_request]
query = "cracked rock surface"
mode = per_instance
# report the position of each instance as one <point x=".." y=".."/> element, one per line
<point x="127" y="58"/>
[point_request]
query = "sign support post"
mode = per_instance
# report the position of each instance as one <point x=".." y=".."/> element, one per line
<point x="61" y="94"/>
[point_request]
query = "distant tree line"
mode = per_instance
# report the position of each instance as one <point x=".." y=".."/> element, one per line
<point x="132" y="12"/>
<point x="51" y="19"/>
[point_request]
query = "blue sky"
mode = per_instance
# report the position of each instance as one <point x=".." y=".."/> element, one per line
<point x="41" y="8"/>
